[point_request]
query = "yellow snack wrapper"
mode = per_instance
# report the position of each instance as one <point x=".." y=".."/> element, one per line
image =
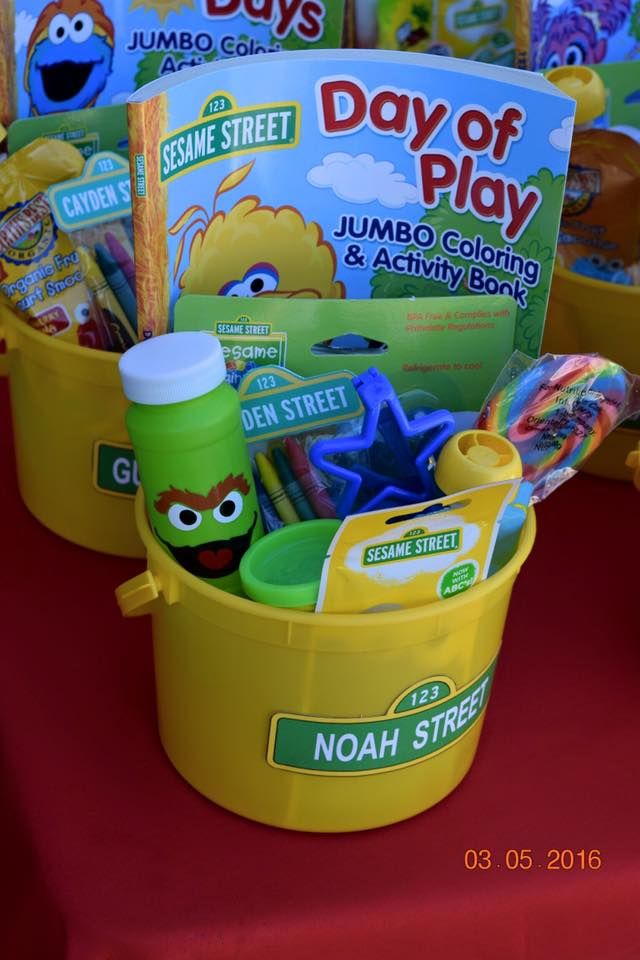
<point x="412" y="555"/>
<point x="41" y="277"/>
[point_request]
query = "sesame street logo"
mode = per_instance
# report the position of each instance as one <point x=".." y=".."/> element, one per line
<point x="583" y="185"/>
<point x="230" y="132"/>
<point x="27" y="231"/>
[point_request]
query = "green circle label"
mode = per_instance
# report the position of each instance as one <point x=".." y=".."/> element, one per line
<point x="458" y="578"/>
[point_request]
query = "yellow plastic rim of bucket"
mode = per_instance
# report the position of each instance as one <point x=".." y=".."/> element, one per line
<point x="68" y="413"/>
<point x="69" y="359"/>
<point x="165" y="576"/>
<point x="592" y="316"/>
<point x="627" y="298"/>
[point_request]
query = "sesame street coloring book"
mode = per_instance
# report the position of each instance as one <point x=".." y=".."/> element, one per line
<point x="355" y="174"/>
<point x="72" y="54"/>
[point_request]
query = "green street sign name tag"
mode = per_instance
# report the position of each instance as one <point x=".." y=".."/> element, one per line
<point x="114" y="469"/>
<point x="424" y="720"/>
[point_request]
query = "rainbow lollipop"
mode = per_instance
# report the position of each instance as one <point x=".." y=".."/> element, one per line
<point x="558" y="411"/>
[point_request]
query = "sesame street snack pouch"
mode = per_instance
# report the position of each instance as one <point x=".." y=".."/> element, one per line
<point x="41" y="278"/>
<point x="600" y="225"/>
<point x="185" y="425"/>
<point x="413" y="555"/>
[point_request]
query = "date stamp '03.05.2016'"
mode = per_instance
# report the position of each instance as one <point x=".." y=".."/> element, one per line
<point x="552" y="859"/>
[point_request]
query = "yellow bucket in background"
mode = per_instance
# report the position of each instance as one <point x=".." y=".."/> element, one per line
<point x="591" y="316"/>
<point x="75" y="466"/>
<point x="319" y="722"/>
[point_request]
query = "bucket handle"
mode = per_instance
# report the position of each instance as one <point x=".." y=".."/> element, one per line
<point x="633" y="461"/>
<point x="137" y="596"/>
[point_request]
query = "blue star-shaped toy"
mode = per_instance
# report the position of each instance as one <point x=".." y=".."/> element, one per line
<point x="397" y="474"/>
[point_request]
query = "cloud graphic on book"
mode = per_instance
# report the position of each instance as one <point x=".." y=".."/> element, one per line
<point x="363" y="179"/>
<point x="24" y="25"/>
<point x="560" y="138"/>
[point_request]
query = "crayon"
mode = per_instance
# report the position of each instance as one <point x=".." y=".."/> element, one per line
<point x="95" y="310"/>
<point x="310" y="483"/>
<point x="291" y="486"/>
<point x="270" y="519"/>
<point x="118" y="282"/>
<point x="122" y="258"/>
<point x="273" y="487"/>
<point x="122" y="336"/>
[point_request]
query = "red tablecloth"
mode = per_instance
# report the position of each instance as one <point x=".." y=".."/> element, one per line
<point x="107" y="854"/>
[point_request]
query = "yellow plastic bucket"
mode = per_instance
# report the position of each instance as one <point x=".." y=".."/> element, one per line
<point x="591" y="316"/>
<point x="319" y="722"/>
<point x="75" y="466"/>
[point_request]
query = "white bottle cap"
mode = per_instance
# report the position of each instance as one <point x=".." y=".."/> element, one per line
<point x="172" y="367"/>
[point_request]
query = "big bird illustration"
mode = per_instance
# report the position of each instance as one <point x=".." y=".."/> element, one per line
<point x="69" y="56"/>
<point x="254" y="250"/>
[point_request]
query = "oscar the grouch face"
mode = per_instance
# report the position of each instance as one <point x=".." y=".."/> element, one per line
<point x="69" y="57"/>
<point x="207" y="534"/>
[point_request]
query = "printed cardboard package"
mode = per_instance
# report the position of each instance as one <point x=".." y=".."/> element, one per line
<point x="476" y="29"/>
<point x="412" y="555"/>
<point x="90" y="131"/>
<point x="452" y="347"/>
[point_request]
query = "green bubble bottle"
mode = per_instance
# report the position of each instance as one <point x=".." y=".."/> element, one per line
<point x="186" y="429"/>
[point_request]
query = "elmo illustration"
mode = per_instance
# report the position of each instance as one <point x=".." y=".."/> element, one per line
<point x="69" y="56"/>
<point x="255" y="250"/>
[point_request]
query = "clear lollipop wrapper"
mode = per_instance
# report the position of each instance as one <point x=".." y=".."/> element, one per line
<point x="557" y="410"/>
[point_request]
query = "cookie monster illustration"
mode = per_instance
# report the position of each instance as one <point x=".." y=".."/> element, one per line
<point x="69" y="56"/>
<point x="208" y="534"/>
<point x="598" y="268"/>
